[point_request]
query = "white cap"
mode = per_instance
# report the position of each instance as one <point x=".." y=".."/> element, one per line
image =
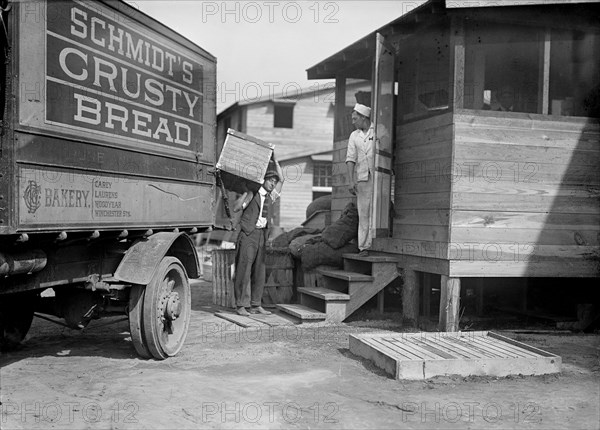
<point x="363" y="110"/>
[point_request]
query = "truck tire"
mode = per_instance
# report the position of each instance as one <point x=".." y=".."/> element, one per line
<point x="166" y="309"/>
<point x="136" y="321"/>
<point x="16" y="315"/>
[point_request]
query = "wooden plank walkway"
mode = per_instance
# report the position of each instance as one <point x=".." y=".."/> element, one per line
<point x="425" y="355"/>
<point x="256" y="320"/>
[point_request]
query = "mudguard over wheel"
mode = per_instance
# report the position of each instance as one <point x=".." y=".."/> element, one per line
<point x="159" y="314"/>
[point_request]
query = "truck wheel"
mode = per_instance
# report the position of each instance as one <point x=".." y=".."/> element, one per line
<point x="16" y="314"/>
<point x="136" y="322"/>
<point x="167" y="309"/>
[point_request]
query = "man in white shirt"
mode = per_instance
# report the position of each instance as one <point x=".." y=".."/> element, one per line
<point x="359" y="164"/>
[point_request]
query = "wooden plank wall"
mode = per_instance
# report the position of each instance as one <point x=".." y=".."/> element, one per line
<point x="422" y="190"/>
<point x="526" y="196"/>
<point x="313" y="125"/>
<point x="296" y="193"/>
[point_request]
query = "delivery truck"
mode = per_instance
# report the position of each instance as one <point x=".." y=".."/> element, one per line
<point x="108" y="124"/>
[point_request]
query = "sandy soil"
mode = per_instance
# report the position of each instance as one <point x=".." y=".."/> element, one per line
<point x="289" y="377"/>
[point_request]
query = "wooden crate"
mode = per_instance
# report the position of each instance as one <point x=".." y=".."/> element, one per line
<point x="245" y="156"/>
<point x="223" y="264"/>
<point x="279" y="280"/>
<point x="279" y="285"/>
<point x="425" y="355"/>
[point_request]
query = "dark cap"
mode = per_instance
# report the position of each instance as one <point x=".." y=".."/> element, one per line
<point x="272" y="174"/>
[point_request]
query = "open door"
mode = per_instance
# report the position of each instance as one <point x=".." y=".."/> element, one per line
<point x="383" y="108"/>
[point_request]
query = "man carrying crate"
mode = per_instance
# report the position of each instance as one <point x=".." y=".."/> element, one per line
<point x="252" y="240"/>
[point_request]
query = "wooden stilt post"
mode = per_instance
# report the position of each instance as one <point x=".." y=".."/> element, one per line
<point x="410" y="298"/>
<point x="479" y="292"/>
<point x="523" y="295"/>
<point x="449" y="304"/>
<point x="426" y="282"/>
<point x="380" y="301"/>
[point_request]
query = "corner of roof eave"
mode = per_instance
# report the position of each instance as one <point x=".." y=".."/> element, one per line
<point x="312" y="72"/>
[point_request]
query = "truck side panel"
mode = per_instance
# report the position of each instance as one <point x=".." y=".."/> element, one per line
<point x="114" y="122"/>
<point x="57" y="197"/>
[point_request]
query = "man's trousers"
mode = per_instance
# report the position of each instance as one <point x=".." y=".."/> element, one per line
<point x="364" y="193"/>
<point x="250" y="266"/>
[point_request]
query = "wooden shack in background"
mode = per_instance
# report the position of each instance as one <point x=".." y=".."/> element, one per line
<point x="480" y="189"/>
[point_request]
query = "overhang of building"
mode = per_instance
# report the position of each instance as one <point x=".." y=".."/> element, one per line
<point x="355" y="61"/>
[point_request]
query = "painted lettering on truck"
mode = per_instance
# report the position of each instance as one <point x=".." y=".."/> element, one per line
<point x="108" y="77"/>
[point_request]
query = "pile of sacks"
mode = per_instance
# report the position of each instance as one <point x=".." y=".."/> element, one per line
<point x="314" y="247"/>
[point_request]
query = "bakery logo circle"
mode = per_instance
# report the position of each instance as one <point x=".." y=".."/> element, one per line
<point x="32" y="196"/>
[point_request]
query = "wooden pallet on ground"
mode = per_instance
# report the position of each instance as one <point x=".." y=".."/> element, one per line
<point x="425" y="355"/>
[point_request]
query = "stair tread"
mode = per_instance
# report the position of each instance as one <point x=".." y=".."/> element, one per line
<point x="345" y="274"/>
<point x="302" y="312"/>
<point x="324" y="293"/>
<point x="371" y="258"/>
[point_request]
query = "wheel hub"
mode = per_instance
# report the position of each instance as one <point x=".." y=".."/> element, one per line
<point x="173" y="306"/>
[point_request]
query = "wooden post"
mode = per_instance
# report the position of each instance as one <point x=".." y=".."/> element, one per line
<point x="381" y="301"/>
<point x="457" y="64"/>
<point x="340" y="106"/>
<point x="449" y="304"/>
<point x="523" y="295"/>
<point x="478" y="78"/>
<point x="479" y="302"/>
<point x="544" y="74"/>
<point x="410" y="298"/>
<point x="416" y="69"/>
<point x="426" y="300"/>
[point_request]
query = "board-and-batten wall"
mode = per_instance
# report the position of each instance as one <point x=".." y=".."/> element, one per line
<point x="423" y="159"/>
<point x="296" y="193"/>
<point x="313" y="125"/>
<point x="479" y="194"/>
<point x="530" y="206"/>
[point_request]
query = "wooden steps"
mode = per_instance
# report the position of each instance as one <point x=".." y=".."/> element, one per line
<point x="342" y="292"/>
<point x="303" y="313"/>
<point x="371" y="258"/>
<point x="325" y="294"/>
<point x="345" y="275"/>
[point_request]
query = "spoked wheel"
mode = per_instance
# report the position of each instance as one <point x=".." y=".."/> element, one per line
<point x="161" y="324"/>
<point x="16" y="314"/>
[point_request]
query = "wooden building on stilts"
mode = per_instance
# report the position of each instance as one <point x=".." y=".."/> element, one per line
<point x="492" y="169"/>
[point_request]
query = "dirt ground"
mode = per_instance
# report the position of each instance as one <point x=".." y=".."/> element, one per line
<point x="288" y="377"/>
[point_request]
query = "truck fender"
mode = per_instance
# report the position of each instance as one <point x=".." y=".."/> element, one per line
<point x="143" y="257"/>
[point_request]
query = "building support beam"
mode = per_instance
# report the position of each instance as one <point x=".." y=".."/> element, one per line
<point x="449" y="304"/>
<point x="544" y="75"/>
<point x="340" y="106"/>
<point x="410" y="298"/>
<point x="457" y="64"/>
